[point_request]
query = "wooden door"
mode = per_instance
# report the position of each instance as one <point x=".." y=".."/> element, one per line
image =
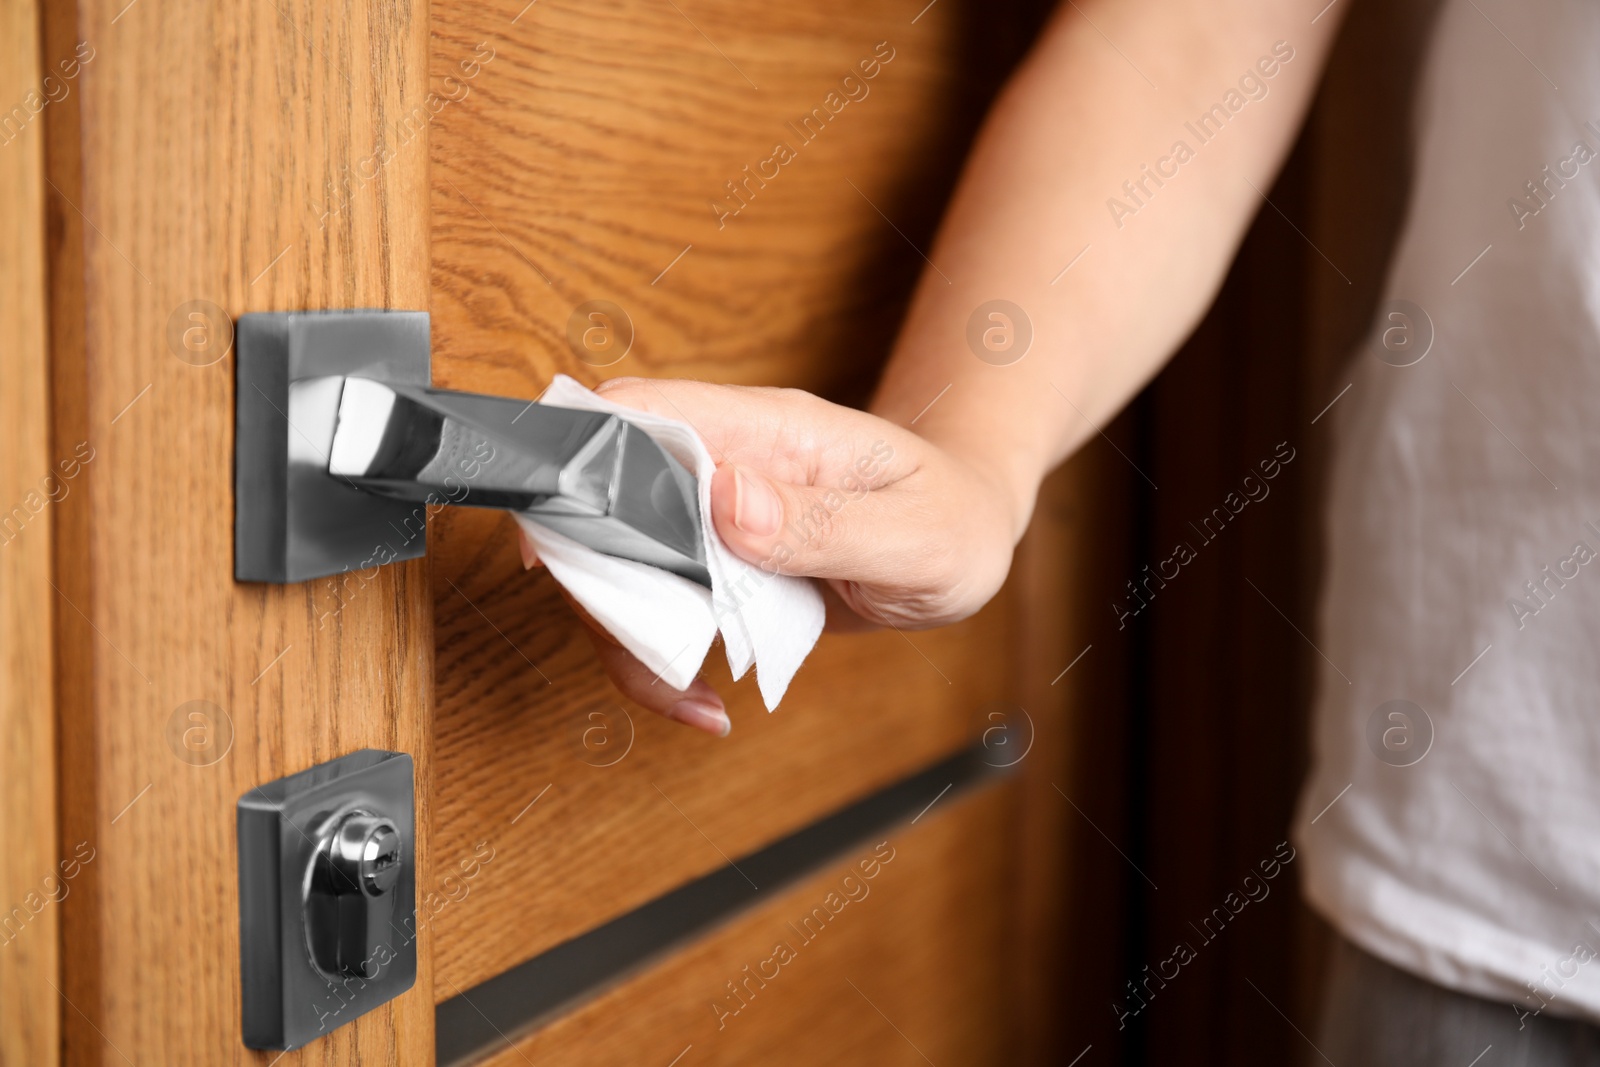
<point x="595" y="884"/>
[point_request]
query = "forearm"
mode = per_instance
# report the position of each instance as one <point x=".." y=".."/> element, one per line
<point x="1044" y="184"/>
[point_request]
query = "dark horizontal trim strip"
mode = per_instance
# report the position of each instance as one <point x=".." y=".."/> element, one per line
<point x="469" y="1025"/>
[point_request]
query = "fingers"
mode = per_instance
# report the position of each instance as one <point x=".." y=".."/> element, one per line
<point x="807" y="487"/>
<point x="787" y="434"/>
<point x="864" y="536"/>
<point x="530" y="553"/>
<point x="698" y="706"/>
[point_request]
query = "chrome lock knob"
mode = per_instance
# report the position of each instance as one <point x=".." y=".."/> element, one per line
<point x="350" y="905"/>
<point x="365" y="854"/>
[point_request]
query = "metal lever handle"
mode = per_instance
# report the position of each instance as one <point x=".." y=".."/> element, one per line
<point x="339" y="438"/>
<point x="588" y="475"/>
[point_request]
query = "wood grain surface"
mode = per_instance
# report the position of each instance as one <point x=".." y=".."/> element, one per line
<point x="913" y="969"/>
<point x="30" y="484"/>
<point x="591" y="160"/>
<point x="212" y="152"/>
<point x="593" y="809"/>
<point x="581" y="163"/>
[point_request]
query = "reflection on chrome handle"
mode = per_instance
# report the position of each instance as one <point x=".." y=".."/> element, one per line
<point x="588" y="475"/>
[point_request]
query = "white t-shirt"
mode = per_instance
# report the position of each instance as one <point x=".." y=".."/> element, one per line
<point x="1463" y="533"/>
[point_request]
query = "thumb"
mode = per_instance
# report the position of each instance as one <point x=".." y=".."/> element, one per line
<point x="797" y="529"/>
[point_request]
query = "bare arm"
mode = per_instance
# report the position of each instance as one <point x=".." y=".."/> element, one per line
<point x="1045" y="181"/>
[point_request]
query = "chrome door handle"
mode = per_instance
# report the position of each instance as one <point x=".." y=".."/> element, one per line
<point x="585" y="474"/>
<point x="342" y="446"/>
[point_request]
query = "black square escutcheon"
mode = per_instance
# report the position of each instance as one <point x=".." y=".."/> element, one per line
<point x="285" y="829"/>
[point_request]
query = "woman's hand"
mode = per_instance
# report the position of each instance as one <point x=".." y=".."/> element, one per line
<point x="904" y="533"/>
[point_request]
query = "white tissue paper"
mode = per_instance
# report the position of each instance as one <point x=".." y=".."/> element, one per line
<point x="769" y="621"/>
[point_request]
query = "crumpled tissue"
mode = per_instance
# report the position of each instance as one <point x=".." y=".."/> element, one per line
<point x="768" y="621"/>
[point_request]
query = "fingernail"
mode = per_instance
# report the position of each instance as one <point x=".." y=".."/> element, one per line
<point x="529" y="557"/>
<point x="756" y="508"/>
<point x="702" y="715"/>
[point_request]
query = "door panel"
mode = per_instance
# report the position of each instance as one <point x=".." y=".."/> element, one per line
<point x="195" y="159"/>
<point x="599" y="144"/>
<point x="590" y="158"/>
<point x="500" y="165"/>
<point x="916" y="970"/>
<point x="609" y="836"/>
